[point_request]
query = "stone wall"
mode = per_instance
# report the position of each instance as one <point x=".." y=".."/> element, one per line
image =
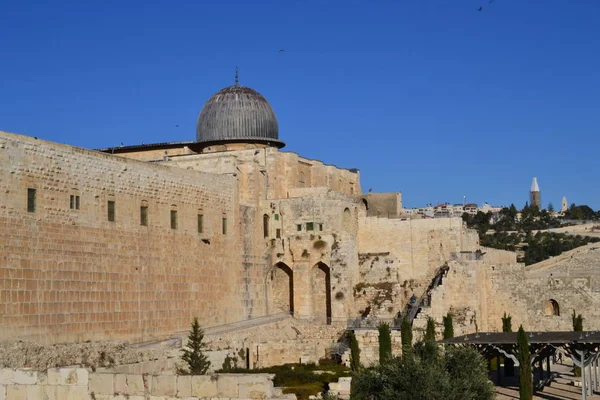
<point x="71" y="275"/>
<point x="383" y="204"/>
<point x="420" y="246"/>
<point x="81" y="384"/>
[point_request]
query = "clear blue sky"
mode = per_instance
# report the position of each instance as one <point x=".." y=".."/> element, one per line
<point x="428" y="97"/>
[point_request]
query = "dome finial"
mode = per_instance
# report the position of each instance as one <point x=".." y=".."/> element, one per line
<point x="237" y="80"/>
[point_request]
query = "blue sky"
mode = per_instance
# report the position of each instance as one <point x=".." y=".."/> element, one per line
<point x="428" y="97"/>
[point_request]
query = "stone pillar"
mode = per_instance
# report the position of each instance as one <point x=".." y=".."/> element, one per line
<point x="302" y="291"/>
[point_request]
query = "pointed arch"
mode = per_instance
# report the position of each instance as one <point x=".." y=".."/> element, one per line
<point x="281" y="282"/>
<point x="321" y="292"/>
<point x="551" y="308"/>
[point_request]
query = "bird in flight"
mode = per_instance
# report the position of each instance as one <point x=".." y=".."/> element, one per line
<point x="480" y="9"/>
<point x="281" y="51"/>
<point x="176" y="126"/>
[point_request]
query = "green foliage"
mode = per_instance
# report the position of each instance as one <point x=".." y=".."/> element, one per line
<point x="385" y="342"/>
<point x="430" y="330"/>
<point x="448" y="327"/>
<point x="506" y="323"/>
<point x="582" y="212"/>
<point x="406" y="335"/>
<point x="577" y="321"/>
<point x="524" y="357"/>
<point x="301" y="379"/>
<point x="354" y="352"/>
<point x="228" y="363"/>
<point x="193" y="353"/>
<point x="459" y="374"/>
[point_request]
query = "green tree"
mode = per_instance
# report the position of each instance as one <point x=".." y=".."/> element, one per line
<point x="506" y="323"/>
<point x="456" y="374"/>
<point x="406" y="335"/>
<point x="448" y="326"/>
<point x="354" y="352"/>
<point x="193" y="352"/>
<point x="385" y="342"/>
<point x="577" y="321"/>
<point x="430" y="330"/>
<point x="550" y="207"/>
<point x="525" y="376"/>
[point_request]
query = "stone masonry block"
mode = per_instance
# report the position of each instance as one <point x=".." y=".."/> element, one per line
<point x="184" y="386"/>
<point x="34" y="392"/>
<point x="164" y="385"/>
<point x="25" y="377"/>
<point x="7" y="376"/>
<point x="73" y="376"/>
<point x="121" y="383"/>
<point x="228" y="386"/>
<point x="16" y="392"/>
<point x="204" y="386"/>
<point x="135" y="385"/>
<point x="72" y="393"/>
<point x="102" y="384"/>
<point x="2" y="392"/>
<point x="255" y="386"/>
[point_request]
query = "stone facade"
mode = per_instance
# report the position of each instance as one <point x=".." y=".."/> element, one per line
<point x="82" y="384"/>
<point x="110" y="246"/>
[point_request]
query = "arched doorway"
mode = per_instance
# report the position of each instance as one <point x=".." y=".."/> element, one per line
<point x="321" y="293"/>
<point x="281" y="279"/>
<point x="551" y="308"/>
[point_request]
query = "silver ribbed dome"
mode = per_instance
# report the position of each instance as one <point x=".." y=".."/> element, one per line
<point x="238" y="114"/>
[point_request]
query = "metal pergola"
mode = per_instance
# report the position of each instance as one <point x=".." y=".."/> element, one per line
<point x="582" y="347"/>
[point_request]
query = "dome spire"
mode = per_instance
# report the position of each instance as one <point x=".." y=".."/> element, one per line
<point x="237" y="80"/>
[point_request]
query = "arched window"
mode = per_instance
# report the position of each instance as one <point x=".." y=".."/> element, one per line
<point x="301" y="182"/>
<point x="266" y="225"/>
<point x="551" y="308"/>
<point x="347" y="220"/>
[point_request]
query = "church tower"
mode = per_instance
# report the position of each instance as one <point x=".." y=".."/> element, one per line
<point x="564" y="205"/>
<point x="535" y="197"/>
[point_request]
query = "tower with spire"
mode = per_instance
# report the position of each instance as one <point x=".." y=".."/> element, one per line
<point x="535" y="196"/>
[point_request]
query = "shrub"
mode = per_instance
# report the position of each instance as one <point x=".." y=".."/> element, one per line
<point x="193" y="353"/>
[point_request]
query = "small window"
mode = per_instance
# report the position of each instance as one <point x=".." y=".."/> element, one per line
<point x="200" y="223"/>
<point x="111" y="211"/>
<point x="299" y="227"/>
<point x="301" y="179"/>
<point x="224" y="221"/>
<point x="31" y="196"/>
<point x="144" y="215"/>
<point x="278" y="233"/>
<point x="276" y="217"/>
<point x="74" y="202"/>
<point x="310" y="226"/>
<point x="320" y="227"/>
<point x="173" y="219"/>
<point x="266" y="225"/>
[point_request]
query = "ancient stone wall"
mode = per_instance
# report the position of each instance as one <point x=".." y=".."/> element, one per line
<point x="383" y="204"/>
<point x="82" y="384"/>
<point x="69" y="274"/>
<point x="420" y="246"/>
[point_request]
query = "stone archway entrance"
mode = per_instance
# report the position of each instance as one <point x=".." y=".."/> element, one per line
<point x="281" y="279"/>
<point x="321" y="293"/>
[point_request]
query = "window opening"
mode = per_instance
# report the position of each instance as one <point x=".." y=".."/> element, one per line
<point x="31" y="197"/>
<point x="299" y="227"/>
<point x="111" y="211"/>
<point x="173" y="219"/>
<point x="144" y="215"/>
<point x="200" y="223"/>
<point x="310" y="226"/>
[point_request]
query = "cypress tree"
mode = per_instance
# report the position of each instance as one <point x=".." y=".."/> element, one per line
<point x="406" y="335"/>
<point x="385" y="343"/>
<point x="506" y="323"/>
<point x="448" y="327"/>
<point x="525" y="377"/>
<point x="354" y="352"/>
<point x="430" y="330"/>
<point x="193" y="353"/>
<point x="577" y="321"/>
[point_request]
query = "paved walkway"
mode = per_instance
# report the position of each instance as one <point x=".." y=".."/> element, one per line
<point x="561" y="389"/>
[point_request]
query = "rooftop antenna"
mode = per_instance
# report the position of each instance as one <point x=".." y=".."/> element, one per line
<point x="237" y="80"/>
